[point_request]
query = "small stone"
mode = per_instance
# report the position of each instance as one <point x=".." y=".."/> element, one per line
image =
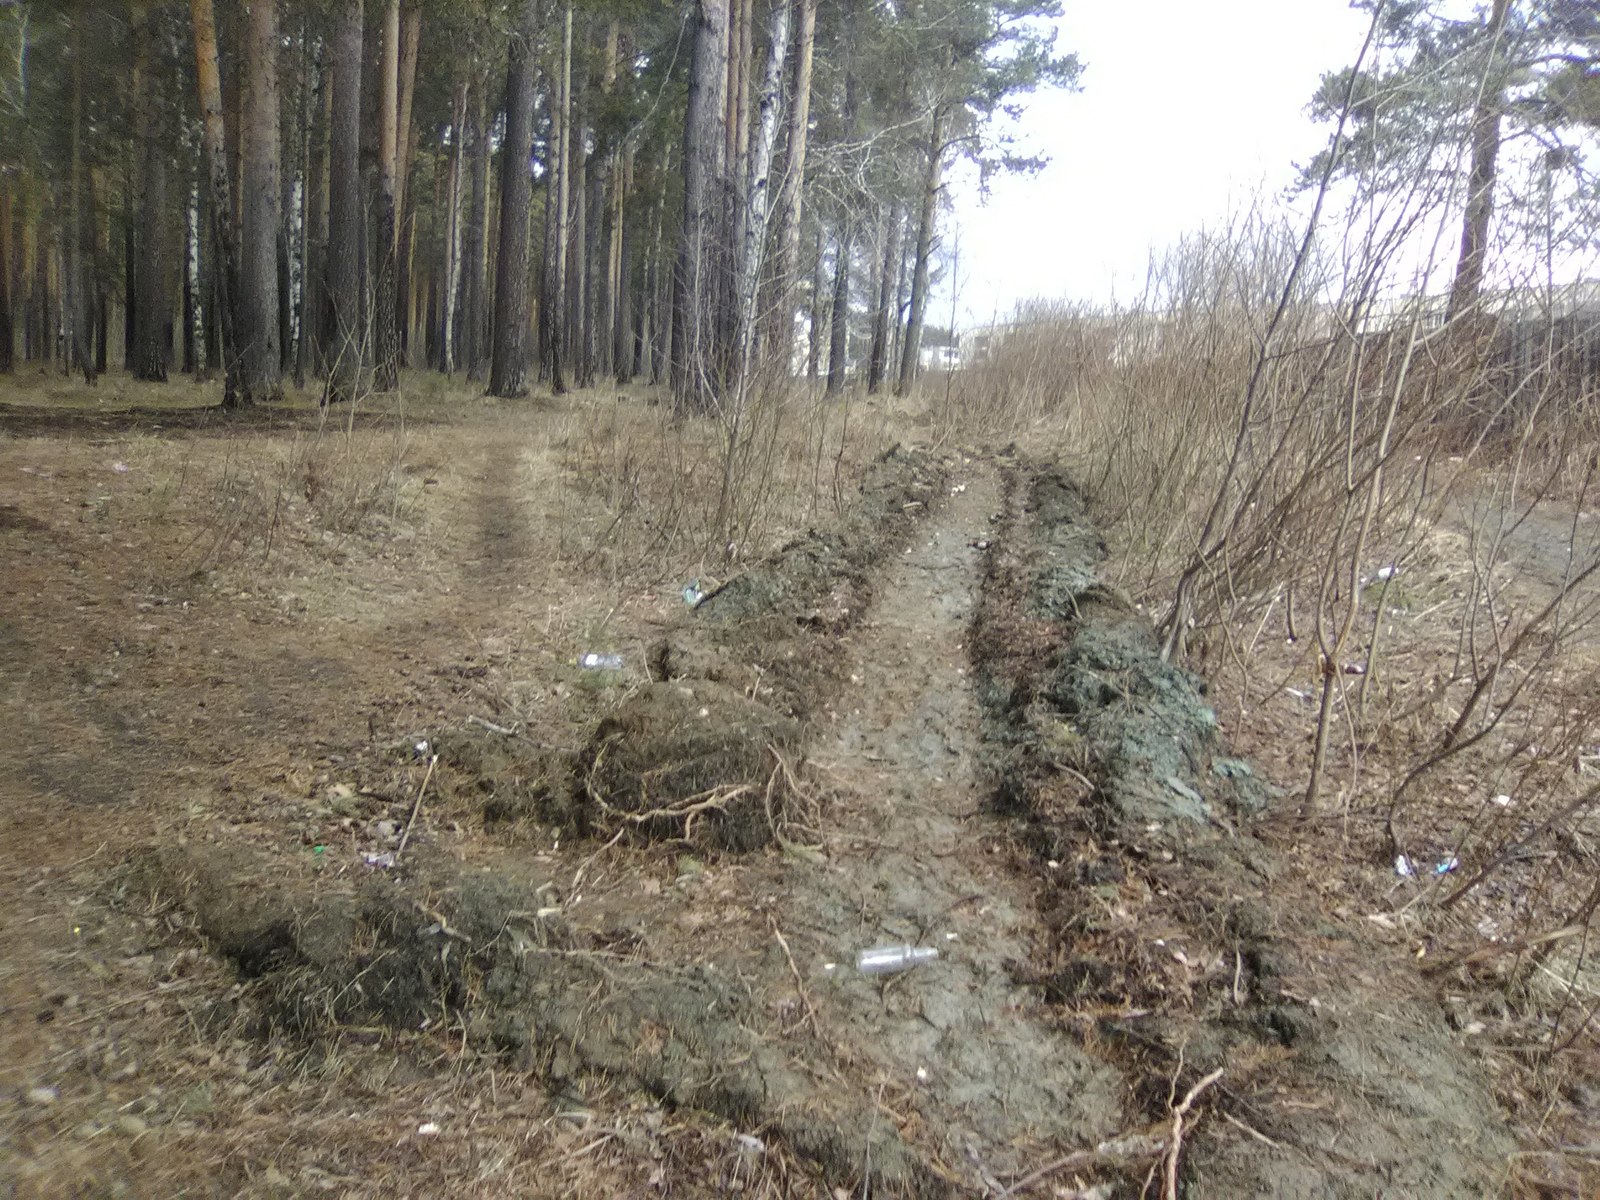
<point x="43" y="1097"/>
<point x="131" y="1125"/>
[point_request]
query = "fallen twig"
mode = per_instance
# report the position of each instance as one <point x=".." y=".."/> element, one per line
<point x="416" y="807"/>
<point x="1169" y="1190"/>
<point x="799" y="981"/>
<point x="1119" y="1150"/>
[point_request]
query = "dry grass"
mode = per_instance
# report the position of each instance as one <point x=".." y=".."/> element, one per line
<point x="245" y="601"/>
<point x="1376" y="545"/>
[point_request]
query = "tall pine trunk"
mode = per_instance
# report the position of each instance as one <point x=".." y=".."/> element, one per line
<point x="221" y="298"/>
<point x="347" y="353"/>
<point x="883" y="307"/>
<point x="7" y="256"/>
<point x="932" y="179"/>
<point x="76" y="291"/>
<point x="508" y="373"/>
<point x="151" y="341"/>
<point x="386" y="314"/>
<point x="1485" y="147"/>
<point x="557" y="235"/>
<point x="407" y="303"/>
<point x="698" y="318"/>
<point x="260" y="346"/>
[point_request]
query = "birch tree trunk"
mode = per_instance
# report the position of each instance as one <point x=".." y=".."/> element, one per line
<point x="452" y="233"/>
<point x="757" y="209"/>
<point x="839" y="323"/>
<point x="473" y="301"/>
<point x="791" y="191"/>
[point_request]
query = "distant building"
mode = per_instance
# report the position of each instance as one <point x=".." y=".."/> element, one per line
<point x="939" y="350"/>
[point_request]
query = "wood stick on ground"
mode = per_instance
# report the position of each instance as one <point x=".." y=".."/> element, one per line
<point x="416" y="807"/>
<point x="1079" y="1158"/>
<point x="799" y="980"/>
<point x="1169" y="1190"/>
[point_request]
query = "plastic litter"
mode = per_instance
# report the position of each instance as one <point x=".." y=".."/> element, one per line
<point x="692" y="595"/>
<point x="600" y="662"/>
<point x="886" y="960"/>
<point x="1503" y="801"/>
<point x="1384" y="574"/>
<point x="427" y="1129"/>
<point x="380" y="862"/>
<point x="1406" y="867"/>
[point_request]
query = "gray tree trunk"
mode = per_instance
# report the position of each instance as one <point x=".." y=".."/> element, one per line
<point x="1485" y="147"/>
<point x="151" y="343"/>
<point x="508" y="374"/>
<point x="839" y="333"/>
<point x="697" y="316"/>
<point x="933" y="173"/>
<point x="348" y="351"/>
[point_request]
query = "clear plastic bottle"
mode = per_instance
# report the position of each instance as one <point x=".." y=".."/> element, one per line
<point x="600" y="662"/>
<point x="886" y="960"/>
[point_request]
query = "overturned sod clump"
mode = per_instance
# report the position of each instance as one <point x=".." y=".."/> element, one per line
<point x="772" y="631"/>
<point x="1334" y="1064"/>
<point x="506" y="777"/>
<point x="691" y="760"/>
<point x="493" y="959"/>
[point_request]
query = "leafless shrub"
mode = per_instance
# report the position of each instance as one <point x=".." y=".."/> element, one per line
<point x="1305" y="478"/>
<point x="667" y="492"/>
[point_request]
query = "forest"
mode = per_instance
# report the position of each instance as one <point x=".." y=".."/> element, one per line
<point x="536" y="663"/>
<point x="509" y="191"/>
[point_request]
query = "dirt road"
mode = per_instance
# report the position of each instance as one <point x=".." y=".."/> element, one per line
<point x="207" y="988"/>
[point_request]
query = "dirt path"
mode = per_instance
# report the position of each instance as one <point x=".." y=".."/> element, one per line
<point x="914" y="858"/>
<point x="700" y="1005"/>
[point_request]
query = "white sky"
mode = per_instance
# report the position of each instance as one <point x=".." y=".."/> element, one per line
<point x="1187" y="110"/>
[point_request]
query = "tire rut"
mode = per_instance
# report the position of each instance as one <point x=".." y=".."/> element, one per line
<point x="914" y="857"/>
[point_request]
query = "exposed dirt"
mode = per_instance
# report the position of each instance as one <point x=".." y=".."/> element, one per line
<point x="1181" y="938"/>
<point x="626" y="904"/>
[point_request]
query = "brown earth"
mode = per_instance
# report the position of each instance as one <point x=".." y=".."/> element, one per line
<point x="613" y="953"/>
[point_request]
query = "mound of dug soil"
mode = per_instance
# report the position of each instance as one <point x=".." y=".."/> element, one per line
<point x="772" y="631"/>
<point x="690" y="760"/>
<point x="1178" y="936"/>
<point x="485" y="954"/>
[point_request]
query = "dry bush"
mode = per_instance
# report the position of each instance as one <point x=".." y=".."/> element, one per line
<point x="650" y="492"/>
<point x="1303" y="484"/>
<point x="327" y="486"/>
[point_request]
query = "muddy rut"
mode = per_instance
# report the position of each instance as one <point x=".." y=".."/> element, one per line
<point x="914" y="857"/>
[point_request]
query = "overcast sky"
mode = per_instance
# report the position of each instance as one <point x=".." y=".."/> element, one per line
<point x="1187" y="109"/>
